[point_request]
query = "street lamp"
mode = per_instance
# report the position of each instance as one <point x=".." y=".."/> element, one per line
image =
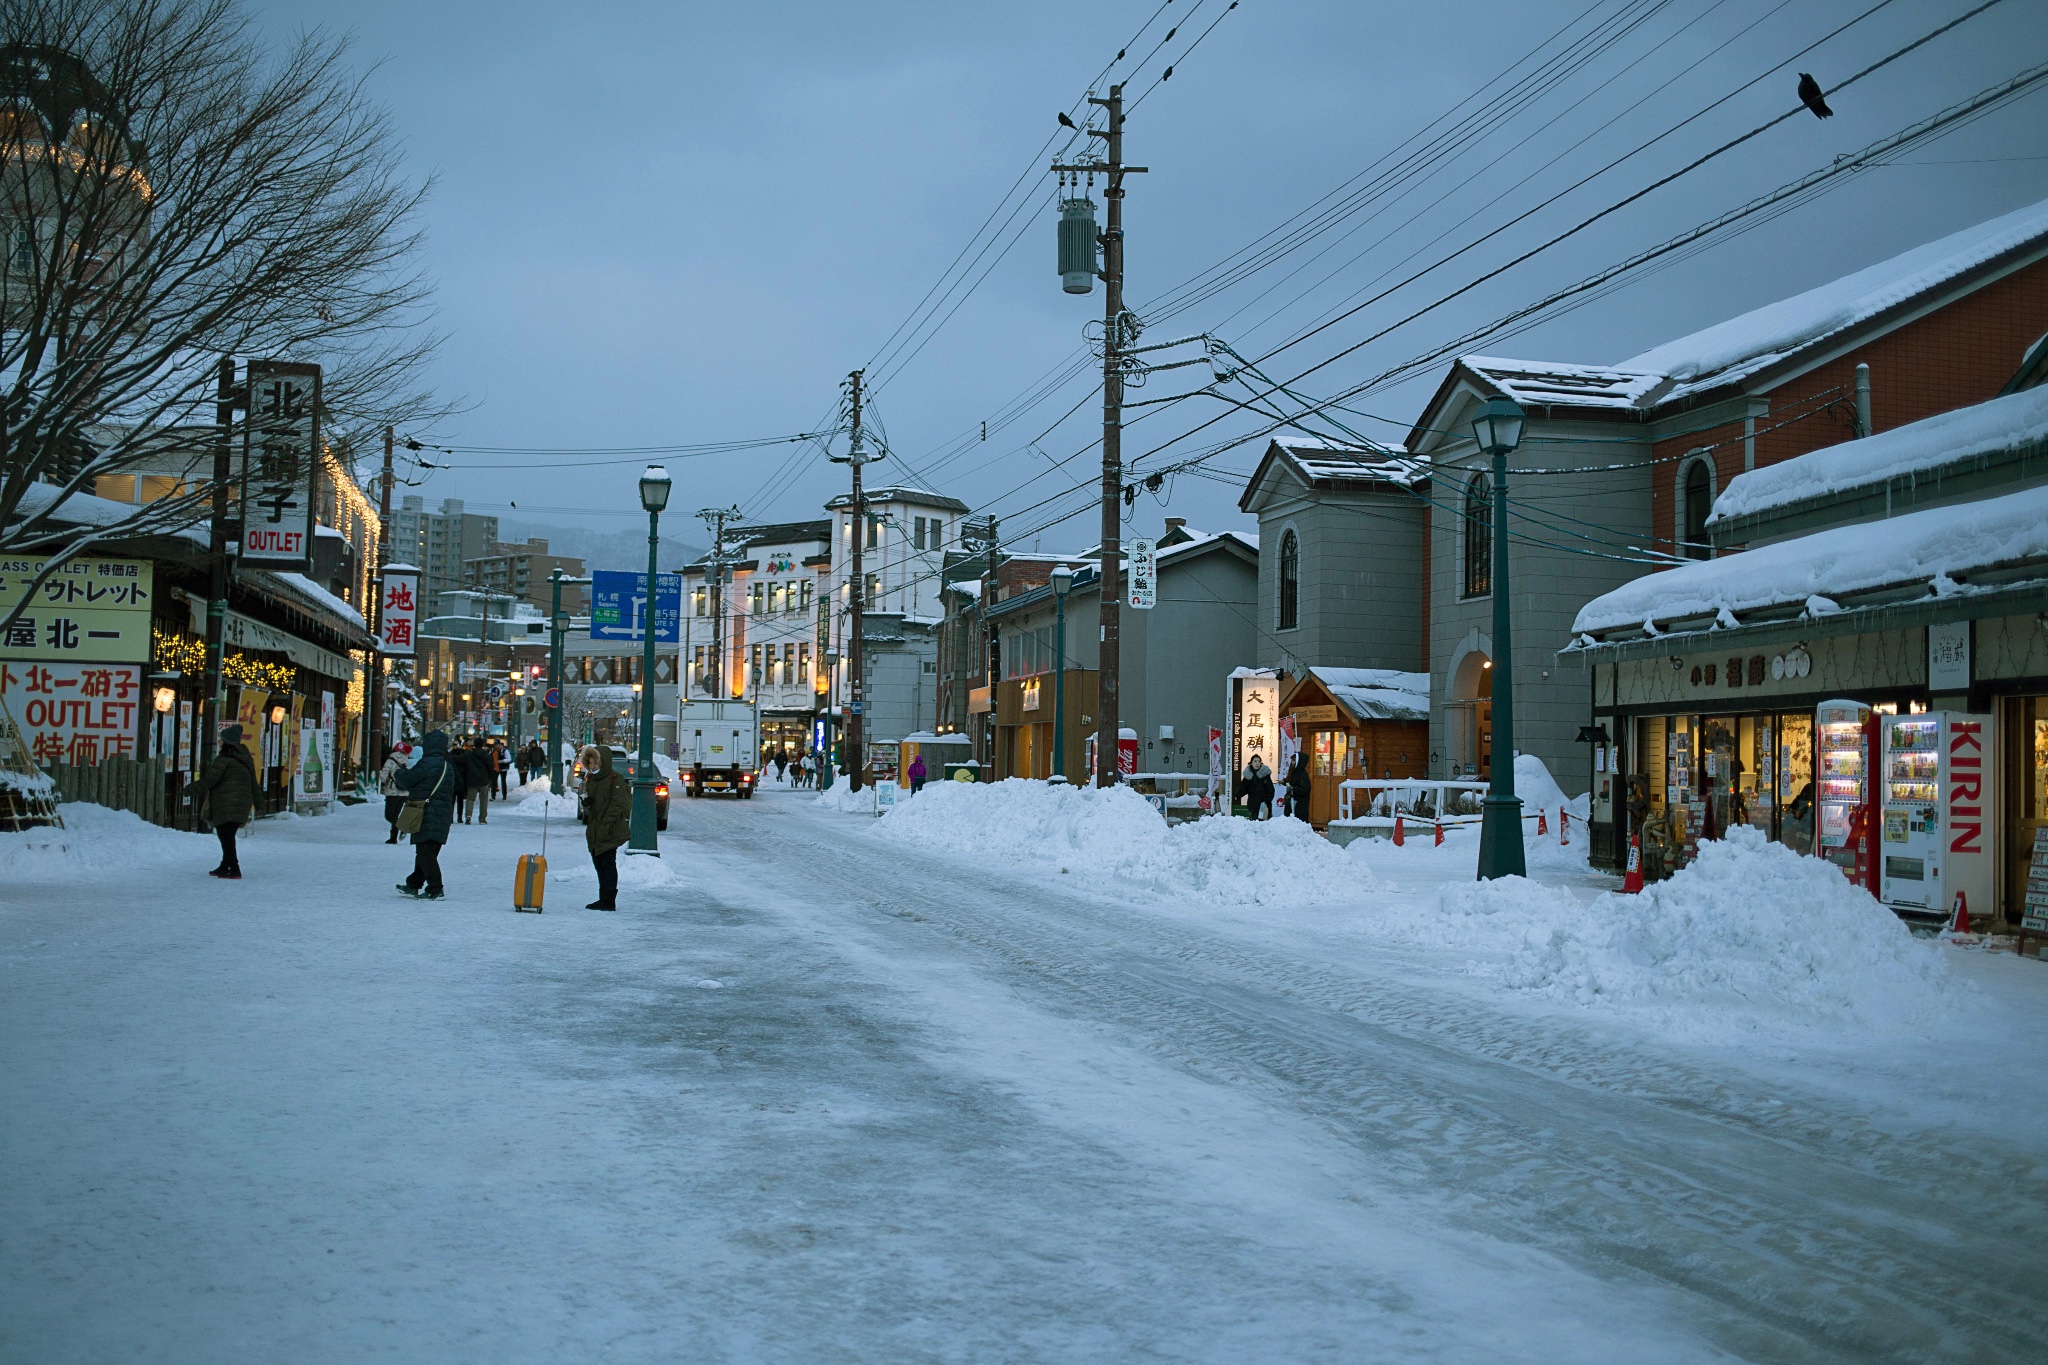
<point x="654" y="490"/>
<point x="1062" y="584"/>
<point x="1498" y="429"/>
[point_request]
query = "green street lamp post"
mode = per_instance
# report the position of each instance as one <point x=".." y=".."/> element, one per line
<point x="1498" y="428"/>
<point x="654" y="490"/>
<point x="1062" y="584"/>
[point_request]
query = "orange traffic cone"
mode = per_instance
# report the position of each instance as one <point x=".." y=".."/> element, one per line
<point x="1564" y="827"/>
<point x="1399" y="840"/>
<point x="1542" y="825"/>
<point x="1633" y="882"/>
<point x="1959" y="923"/>
<point x="1439" y="835"/>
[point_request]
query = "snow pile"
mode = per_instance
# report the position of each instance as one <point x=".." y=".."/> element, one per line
<point x="96" y="839"/>
<point x="1046" y="829"/>
<point x="1750" y="936"/>
<point x="841" y="796"/>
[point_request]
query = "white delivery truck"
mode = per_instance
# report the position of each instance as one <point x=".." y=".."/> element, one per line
<point x="718" y="747"/>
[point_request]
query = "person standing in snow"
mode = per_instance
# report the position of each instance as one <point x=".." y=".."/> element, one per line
<point x="473" y="764"/>
<point x="1258" y="788"/>
<point x="782" y="765"/>
<point x="387" y="785"/>
<point x="1298" y="789"/>
<point x="227" y="793"/>
<point x="435" y="779"/>
<point x="918" y="773"/>
<point x="607" y="822"/>
<point x="501" y="765"/>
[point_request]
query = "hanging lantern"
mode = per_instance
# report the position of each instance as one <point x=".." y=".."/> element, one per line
<point x="1077" y="245"/>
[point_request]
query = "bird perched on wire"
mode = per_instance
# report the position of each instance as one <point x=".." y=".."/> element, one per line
<point x="1066" y="122"/>
<point x="1810" y="96"/>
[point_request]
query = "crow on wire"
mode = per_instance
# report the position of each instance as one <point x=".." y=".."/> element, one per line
<point x="1810" y="96"/>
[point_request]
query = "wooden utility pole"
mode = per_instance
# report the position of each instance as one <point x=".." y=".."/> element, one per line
<point x="379" y="702"/>
<point x="217" y="546"/>
<point x="856" y="592"/>
<point x="1119" y="330"/>
<point x="985" y="749"/>
<point x="715" y="518"/>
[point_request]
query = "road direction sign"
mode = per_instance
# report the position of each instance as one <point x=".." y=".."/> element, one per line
<point x="618" y="606"/>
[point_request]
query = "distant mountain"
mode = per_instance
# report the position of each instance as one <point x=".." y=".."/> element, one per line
<point x="601" y="549"/>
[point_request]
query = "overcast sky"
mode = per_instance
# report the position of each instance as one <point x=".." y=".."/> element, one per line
<point x="662" y="223"/>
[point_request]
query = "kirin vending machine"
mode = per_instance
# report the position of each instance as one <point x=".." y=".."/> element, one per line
<point x="1938" y="813"/>
<point x="1845" y="740"/>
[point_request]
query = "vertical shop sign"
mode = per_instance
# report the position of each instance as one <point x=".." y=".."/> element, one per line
<point x="280" y="465"/>
<point x="1144" y="574"/>
<point x="1948" y="657"/>
<point x="398" y="612"/>
<point x="1216" y="786"/>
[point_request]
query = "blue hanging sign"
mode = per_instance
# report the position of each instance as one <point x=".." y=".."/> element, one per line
<point x="618" y="606"/>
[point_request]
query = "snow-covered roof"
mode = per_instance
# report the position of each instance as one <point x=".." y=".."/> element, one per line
<point x="1939" y="547"/>
<point x="2006" y="423"/>
<point x="319" y="596"/>
<point x="1730" y="350"/>
<point x="1318" y="460"/>
<point x="1377" y="693"/>
<point x="1542" y="383"/>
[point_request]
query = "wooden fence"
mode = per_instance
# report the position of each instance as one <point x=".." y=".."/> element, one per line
<point x="135" y="784"/>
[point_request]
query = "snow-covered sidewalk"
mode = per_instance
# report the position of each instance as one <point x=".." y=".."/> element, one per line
<point x="829" y="1087"/>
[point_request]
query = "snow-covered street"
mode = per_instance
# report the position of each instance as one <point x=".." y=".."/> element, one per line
<point x="828" y="1088"/>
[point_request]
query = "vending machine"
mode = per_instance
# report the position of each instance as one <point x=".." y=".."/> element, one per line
<point x="1845" y="741"/>
<point x="1938" y="813"/>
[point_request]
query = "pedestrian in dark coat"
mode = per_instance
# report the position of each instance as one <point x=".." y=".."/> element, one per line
<point x="1298" y="788"/>
<point x="607" y="820"/>
<point x="501" y="764"/>
<point x="436" y="780"/>
<point x="387" y="786"/>
<point x="473" y="762"/>
<point x="226" y="792"/>
<point x="1258" y="788"/>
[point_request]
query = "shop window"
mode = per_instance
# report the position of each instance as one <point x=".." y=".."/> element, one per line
<point x="1478" y="520"/>
<point x="1290" y="581"/>
<point x="1696" y="500"/>
<point x="114" y="487"/>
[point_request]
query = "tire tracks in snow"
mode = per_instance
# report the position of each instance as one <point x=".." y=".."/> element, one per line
<point x="1802" y="1230"/>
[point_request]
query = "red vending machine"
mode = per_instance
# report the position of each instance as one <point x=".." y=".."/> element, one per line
<point x="1846" y="741"/>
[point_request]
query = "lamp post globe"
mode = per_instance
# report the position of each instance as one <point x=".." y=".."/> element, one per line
<point x="1062" y="584"/>
<point x="1498" y="430"/>
<point x="654" y="490"/>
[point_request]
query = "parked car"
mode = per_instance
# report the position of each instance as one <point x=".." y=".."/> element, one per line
<point x="622" y="762"/>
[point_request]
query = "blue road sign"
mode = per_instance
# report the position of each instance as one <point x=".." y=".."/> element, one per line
<point x="554" y="697"/>
<point x="618" y="606"/>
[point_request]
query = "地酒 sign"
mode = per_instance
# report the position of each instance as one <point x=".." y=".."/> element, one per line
<point x="398" y="612"/>
<point x="1144" y="585"/>
<point x="88" y="610"/>
<point x="280" y="464"/>
<point x="618" y="606"/>
<point x="75" y="713"/>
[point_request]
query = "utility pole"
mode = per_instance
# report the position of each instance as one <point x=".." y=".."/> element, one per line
<point x="1119" y="329"/>
<point x="856" y="455"/>
<point x="379" y="741"/>
<point x="217" y="545"/>
<point x="715" y="676"/>
<point x="985" y="748"/>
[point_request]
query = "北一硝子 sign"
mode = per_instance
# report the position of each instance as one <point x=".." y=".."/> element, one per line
<point x="89" y="610"/>
<point x="618" y="606"/>
<point x="280" y="464"/>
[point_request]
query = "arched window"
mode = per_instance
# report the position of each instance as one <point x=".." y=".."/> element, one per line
<point x="1290" y="582"/>
<point x="1699" y="500"/>
<point x="1478" y="536"/>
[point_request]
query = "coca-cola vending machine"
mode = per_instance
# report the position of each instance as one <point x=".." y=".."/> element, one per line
<point x="1846" y="745"/>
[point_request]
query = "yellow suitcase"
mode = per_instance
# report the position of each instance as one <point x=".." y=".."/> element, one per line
<point x="529" y="882"/>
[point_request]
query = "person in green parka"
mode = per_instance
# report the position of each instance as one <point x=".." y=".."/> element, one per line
<point x="226" y="793"/>
<point x="608" y="821"/>
<point x="437" y="780"/>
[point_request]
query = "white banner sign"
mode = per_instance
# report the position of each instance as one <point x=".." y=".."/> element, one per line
<point x="1948" y="657"/>
<point x="75" y="713"/>
<point x="1144" y="594"/>
<point x="398" y="613"/>
<point x="280" y="464"/>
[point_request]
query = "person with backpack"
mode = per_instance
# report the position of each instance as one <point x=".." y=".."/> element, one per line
<point x="387" y="785"/>
<point x="226" y="793"/>
<point x="431" y="787"/>
<point x="607" y="821"/>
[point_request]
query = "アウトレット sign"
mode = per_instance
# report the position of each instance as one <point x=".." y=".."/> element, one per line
<point x="87" y="610"/>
